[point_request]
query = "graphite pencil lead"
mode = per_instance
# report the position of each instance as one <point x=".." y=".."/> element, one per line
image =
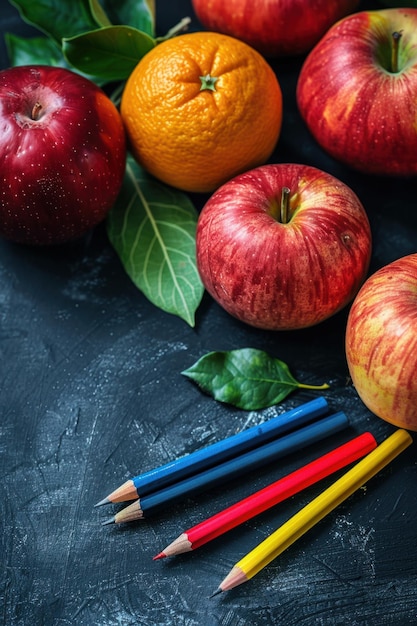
<point x="216" y="593"/>
<point x="161" y="555"/>
<point x="111" y="520"/>
<point x="104" y="501"/>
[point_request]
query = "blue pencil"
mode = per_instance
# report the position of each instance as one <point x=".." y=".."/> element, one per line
<point x="217" y="452"/>
<point x="233" y="468"/>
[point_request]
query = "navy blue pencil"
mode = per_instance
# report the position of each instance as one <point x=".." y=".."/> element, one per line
<point x="216" y="453"/>
<point x="232" y="468"/>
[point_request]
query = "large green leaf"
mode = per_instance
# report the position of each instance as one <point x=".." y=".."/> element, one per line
<point x="57" y="18"/>
<point x="39" y="51"/>
<point x="110" y="52"/>
<point x="34" y="51"/>
<point x="152" y="228"/>
<point x="137" y="13"/>
<point x="246" y="378"/>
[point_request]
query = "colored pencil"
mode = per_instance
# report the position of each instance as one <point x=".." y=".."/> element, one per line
<point x="218" y="452"/>
<point x="316" y="510"/>
<point x="292" y="442"/>
<point x="271" y="495"/>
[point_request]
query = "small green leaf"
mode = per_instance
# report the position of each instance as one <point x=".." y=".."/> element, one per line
<point x="57" y="18"/>
<point x="152" y="228"/>
<point x="247" y="378"/>
<point x="137" y="13"/>
<point x="111" y="52"/>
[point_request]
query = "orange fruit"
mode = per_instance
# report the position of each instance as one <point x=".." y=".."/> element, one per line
<point x="201" y="108"/>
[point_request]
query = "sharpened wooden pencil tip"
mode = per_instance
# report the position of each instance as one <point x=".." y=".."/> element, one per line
<point x="108" y="521"/>
<point x="216" y="593"/>
<point x="104" y="501"/>
<point x="161" y="555"/>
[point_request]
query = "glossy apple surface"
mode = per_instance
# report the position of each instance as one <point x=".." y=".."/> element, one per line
<point x="357" y="91"/>
<point x="273" y="27"/>
<point x="62" y="154"/>
<point x="381" y="342"/>
<point x="282" y="273"/>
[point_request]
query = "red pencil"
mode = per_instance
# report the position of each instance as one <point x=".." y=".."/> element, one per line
<point x="269" y="496"/>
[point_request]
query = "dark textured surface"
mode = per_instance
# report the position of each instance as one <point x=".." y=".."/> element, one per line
<point x="91" y="394"/>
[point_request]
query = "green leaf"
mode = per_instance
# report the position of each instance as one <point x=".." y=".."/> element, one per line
<point x="137" y="13"/>
<point x="34" y="51"/>
<point x="247" y="378"/>
<point x="111" y="52"/>
<point x="39" y="51"/>
<point x="99" y="13"/>
<point x="152" y="228"/>
<point x="57" y="18"/>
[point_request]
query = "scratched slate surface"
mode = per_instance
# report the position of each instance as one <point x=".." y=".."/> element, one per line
<point x="92" y="393"/>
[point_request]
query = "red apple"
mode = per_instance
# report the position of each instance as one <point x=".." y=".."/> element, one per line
<point x="273" y="27"/>
<point x="283" y="246"/>
<point x="62" y="154"/>
<point x="357" y="91"/>
<point x="381" y="342"/>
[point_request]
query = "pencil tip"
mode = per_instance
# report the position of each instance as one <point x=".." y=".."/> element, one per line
<point x="216" y="593"/>
<point x="108" y="521"/>
<point x="104" y="501"/>
<point x="161" y="555"/>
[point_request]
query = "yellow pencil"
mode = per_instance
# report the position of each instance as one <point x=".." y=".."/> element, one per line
<point x="316" y="510"/>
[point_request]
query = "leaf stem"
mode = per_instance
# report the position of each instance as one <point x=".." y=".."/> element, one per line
<point x="175" y="30"/>
<point x="396" y="36"/>
<point x="316" y="387"/>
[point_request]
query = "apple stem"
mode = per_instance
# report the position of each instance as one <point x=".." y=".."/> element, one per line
<point x="285" y="205"/>
<point x="396" y="36"/>
<point x="36" y="111"/>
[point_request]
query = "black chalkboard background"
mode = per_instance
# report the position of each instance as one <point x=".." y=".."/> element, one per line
<point x="92" y="393"/>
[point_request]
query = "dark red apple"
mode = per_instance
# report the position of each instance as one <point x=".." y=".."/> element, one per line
<point x="62" y="154"/>
<point x="357" y="91"/>
<point x="274" y="27"/>
<point x="283" y="246"/>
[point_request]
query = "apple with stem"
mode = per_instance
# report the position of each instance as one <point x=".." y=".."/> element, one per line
<point x="274" y="27"/>
<point x="357" y="91"/>
<point x="283" y="246"/>
<point x="62" y="154"/>
<point x="381" y="342"/>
